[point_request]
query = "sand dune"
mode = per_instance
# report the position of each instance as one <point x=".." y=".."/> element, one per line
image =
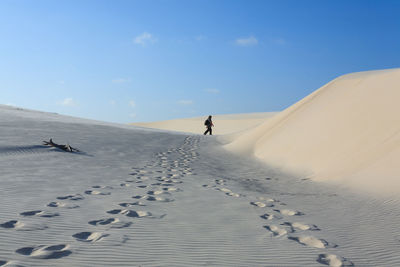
<point x="224" y="124"/>
<point x="139" y="197"/>
<point x="348" y="131"/>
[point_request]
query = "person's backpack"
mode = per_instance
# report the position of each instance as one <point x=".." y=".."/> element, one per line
<point x="207" y="122"/>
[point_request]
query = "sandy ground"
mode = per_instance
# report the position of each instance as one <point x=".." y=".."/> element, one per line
<point x="346" y="132"/>
<point x="138" y="197"/>
<point x="224" y="124"/>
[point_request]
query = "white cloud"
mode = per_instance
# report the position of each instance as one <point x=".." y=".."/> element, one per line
<point x="212" y="90"/>
<point x="144" y="39"/>
<point x="113" y="102"/>
<point x="121" y="80"/>
<point x="10" y="104"/>
<point x="132" y="115"/>
<point x="250" y="41"/>
<point x="68" y="102"/>
<point x="132" y="103"/>
<point x="185" y="102"/>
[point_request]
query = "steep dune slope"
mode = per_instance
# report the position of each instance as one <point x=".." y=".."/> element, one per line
<point x="348" y="130"/>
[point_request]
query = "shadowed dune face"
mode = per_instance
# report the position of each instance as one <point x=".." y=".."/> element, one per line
<point x="348" y="131"/>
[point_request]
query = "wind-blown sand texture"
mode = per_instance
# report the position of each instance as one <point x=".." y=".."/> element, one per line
<point x="347" y="131"/>
<point x="136" y="197"/>
<point x="224" y="124"/>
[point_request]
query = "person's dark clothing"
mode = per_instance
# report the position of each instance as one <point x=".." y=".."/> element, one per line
<point x="209" y="124"/>
<point x="209" y="129"/>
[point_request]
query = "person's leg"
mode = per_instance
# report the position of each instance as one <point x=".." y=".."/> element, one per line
<point x="206" y="132"/>
<point x="210" y="131"/>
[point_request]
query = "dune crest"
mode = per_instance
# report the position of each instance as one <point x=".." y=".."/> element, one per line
<point x="348" y="131"/>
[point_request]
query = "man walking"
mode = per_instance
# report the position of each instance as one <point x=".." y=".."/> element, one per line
<point x="208" y="123"/>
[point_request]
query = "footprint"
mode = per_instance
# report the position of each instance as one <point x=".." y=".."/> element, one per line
<point x="55" y="204"/>
<point x="160" y="199"/>
<point x="89" y="236"/>
<point x="142" y="186"/>
<point x="267" y="216"/>
<point x="131" y="213"/>
<point x="225" y="190"/>
<point x="121" y="225"/>
<point x="45" y="252"/>
<point x="102" y="187"/>
<point x="114" y="222"/>
<point x="288" y="212"/>
<point x="276" y="231"/>
<point x="171" y="189"/>
<point x="114" y="211"/>
<point x="30" y="213"/>
<point x="72" y="197"/>
<point x="95" y="192"/>
<point x="267" y="199"/>
<point x="31" y="226"/>
<point x="13" y="224"/>
<point x="171" y="181"/>
<point x="49" y="214"/>
<point x="40" y="213"/>
<point x="155" y="192"/>
<point x="125" y="185"/>
<point x="301" y="226"/>
<point x="137" y="214"/>
<point x="334" y="260"/>
<point x="104" y="221"/>
<point x="233" y="194"/>
<point x="311" y="241"/>
<point x="137" y="203"/>
<point x="261" y="204"/>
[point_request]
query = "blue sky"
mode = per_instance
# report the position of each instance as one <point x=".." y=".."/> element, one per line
<point x="127" y="61"/>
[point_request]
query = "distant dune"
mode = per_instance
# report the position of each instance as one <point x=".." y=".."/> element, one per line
<point x="224" y="124"/>
<point x="348" y="130"/>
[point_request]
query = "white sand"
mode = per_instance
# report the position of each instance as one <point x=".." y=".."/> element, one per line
<point x="347" y="131"/>
<point x="224" y="124"/>
<point x="189" y="203"/>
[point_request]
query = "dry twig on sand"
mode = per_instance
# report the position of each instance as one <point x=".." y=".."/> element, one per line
<point x="66" y="147"/>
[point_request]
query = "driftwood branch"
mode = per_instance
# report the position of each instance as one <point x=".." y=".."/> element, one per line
<point x="66" y="147"/>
